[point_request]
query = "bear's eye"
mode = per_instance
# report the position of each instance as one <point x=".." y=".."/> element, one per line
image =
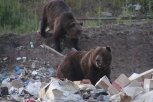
<point x="97" y="60"/>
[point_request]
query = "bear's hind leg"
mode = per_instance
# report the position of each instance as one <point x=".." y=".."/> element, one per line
<point x="43" y="25"/>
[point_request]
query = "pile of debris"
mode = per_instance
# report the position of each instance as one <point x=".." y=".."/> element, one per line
<point x="68" y="91"/>
<point x="136" y="88"/>
<point x="38" y="84"/>
<point x="23" y="83"/>
<point x="24" y="87"/>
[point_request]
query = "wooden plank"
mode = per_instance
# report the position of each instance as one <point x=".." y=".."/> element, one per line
<point x="53" y="50"/>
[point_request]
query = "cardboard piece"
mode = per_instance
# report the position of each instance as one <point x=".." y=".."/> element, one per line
<point x="142" y="76"/>
<point x="112" y="90"/>
<point x="120" y="97"/>
<point x="133" y="89"/>
<point x="151" y="75"/>
<point x="121" y="82"/>
<point x="133" y="76"/>
<point x="148" y="85"/>
<point x="103" y="83"/>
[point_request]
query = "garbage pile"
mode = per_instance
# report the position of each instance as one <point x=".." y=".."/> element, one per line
<point x="68" y="91"/>
<point x="23" y="84"/>
<point x="39" y="86"/>
<point x="136" y="88"/>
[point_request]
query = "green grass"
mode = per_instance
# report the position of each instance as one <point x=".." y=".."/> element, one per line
<point x="16" y="17"/>
<point x="22" y="16"/>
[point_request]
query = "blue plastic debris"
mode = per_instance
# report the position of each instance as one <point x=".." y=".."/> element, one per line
<point x="3" y="75"/>
<point x="18" y="70"/>
<point x="26" y="82"/>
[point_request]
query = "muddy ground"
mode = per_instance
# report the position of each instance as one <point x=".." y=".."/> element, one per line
<point x="131" y="44"/>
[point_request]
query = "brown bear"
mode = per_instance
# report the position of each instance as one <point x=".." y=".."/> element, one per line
<point x="92" y="64"/>
<point x="58" y="16"/>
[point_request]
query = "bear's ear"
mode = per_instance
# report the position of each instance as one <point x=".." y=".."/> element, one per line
<point x="108" y="48"/>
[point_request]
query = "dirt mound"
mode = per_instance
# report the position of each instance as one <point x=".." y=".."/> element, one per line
<point x="25" y="50"/>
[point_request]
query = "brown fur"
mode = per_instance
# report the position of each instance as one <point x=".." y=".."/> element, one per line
<point x="59" y="18"/>
<point x="82" y="65"/>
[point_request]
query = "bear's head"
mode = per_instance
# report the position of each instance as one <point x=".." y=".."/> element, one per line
<point x="101" y="57"/>
<point x="74" y="29"/>
<point x="71" y="25"/>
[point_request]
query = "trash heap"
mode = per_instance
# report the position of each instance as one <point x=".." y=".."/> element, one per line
<point x="23" y="84"/>
<point x="39" y="86"/>
<point x="68" y="91"/>
<point x="136" y="88"/>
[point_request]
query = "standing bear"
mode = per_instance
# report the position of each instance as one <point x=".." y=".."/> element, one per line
<point x="92" y="64"/>
<point x="58" y="16"/>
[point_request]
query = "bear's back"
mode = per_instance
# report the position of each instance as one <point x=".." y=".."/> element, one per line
<point x="55" y="8"/>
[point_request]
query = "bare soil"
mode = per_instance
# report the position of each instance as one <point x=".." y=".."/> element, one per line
<point x="131" y="44"/>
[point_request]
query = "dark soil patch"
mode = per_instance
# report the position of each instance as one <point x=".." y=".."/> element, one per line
<point x="132" y="48"/>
